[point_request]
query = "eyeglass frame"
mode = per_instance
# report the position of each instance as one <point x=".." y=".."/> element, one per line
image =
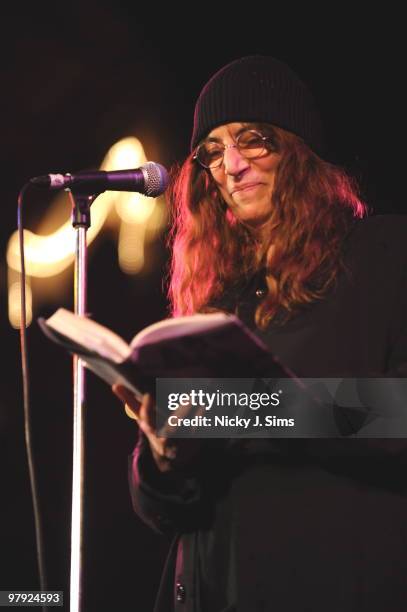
<point x="235" y="145"/>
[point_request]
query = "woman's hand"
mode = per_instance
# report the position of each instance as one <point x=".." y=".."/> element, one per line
<point x="168" y="453"/>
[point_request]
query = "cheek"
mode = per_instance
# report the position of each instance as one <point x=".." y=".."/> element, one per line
<point x="225" y="195"/>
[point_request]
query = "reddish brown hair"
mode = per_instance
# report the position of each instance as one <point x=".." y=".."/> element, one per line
<point x="315" y="204"/>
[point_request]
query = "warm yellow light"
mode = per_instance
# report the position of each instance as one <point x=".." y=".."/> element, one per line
<point x="134" y="207"/>
<point x="131" y="247"/>
<point x="51" y="254"/>
<point x="125" y="154"/>
<point x="14" y="304"/>
<point x="131" y="207"/>
<point x="48" y="253"/>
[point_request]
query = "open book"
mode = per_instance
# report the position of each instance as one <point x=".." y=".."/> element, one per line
<point x="197" y="346"/>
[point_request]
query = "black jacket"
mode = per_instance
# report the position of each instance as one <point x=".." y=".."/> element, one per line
<point x="305" y="524"/>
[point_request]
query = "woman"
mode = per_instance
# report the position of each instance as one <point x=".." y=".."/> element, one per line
<point x="265" y="228"/>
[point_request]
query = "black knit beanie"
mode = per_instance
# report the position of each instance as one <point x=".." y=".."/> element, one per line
<point x="258" y="89"/>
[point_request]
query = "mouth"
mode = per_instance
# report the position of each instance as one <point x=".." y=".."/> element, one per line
<point x="245" y="187"/>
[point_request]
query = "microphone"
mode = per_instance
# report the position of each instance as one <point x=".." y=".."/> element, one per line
<point x="151" y="180"/>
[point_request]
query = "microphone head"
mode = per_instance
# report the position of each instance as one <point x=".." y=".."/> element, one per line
<point x="156" y="179"/>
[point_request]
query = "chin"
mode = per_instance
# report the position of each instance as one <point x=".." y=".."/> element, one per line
<point x="252" y="214"/>
<point x="255" y="221"/>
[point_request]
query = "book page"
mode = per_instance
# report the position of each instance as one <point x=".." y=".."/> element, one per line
<point x="89" y="334"/>
<point x="181" y="326"/>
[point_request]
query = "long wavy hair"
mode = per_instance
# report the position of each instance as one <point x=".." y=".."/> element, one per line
<point x="315" y="205"/>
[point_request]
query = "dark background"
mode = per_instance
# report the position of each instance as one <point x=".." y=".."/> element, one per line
<point x="76" y="78"/>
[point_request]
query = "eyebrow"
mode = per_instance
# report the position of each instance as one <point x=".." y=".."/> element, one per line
<point x="235" y="135"/>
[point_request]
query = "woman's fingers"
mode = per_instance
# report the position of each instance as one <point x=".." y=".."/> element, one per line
<point x="125" y="395"/>
<point x="131" y="413"/>
<point x="142" y="412"/>
<point x="131" y="403"/>
<point x="147" y="411"/>
<point x="165" y="448"/>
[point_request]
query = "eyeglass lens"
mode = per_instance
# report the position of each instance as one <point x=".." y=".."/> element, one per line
<point x="251" y="144"/>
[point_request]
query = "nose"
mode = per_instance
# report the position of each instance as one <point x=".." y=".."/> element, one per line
<point x="233" y="161"/>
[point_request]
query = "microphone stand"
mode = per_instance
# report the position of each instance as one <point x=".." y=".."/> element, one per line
<point x="81" y="203"/>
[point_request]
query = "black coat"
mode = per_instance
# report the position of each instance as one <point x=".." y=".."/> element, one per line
<point x="305" y="525"/>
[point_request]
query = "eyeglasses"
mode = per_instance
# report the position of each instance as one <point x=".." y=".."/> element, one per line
<point x="250" y="144"/>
